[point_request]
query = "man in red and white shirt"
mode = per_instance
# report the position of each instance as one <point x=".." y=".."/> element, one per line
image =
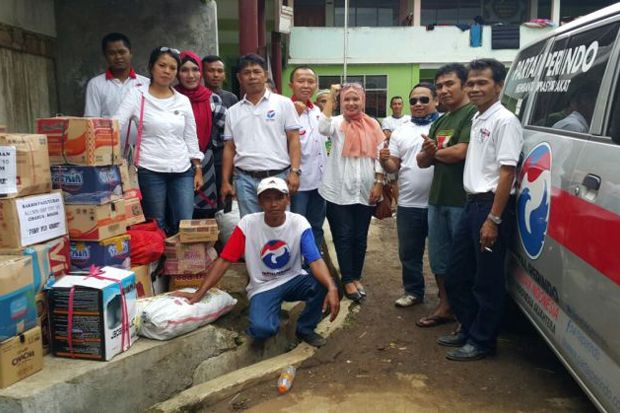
<point x="105" y="92"/>
<point x="275" y="244"/>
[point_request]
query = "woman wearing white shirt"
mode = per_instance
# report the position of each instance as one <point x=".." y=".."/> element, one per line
<point x="167" y="154"/>
<point x="352" y="182"/>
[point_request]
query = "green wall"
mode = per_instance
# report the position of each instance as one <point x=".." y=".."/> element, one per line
<point x="400" y="77"/>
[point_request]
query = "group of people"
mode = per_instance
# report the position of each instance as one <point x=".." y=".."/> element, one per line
<point x="291" y="163"/>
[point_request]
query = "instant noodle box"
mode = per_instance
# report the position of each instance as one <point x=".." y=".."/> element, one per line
<point x="113" y="252"/>
<point x="31" y="220"/>
<point x="133" y="211"/>
<point x="96" y="222"/>
<point x="18" y="312"/>
<point x="20" y="357"/>
<point x="129" y="180"/>
<point x="48" y="258"/>
<point x="188" y="258"/>
<point x="198" y="230"/>
<point x="24" y="165"/>
<point x="92" y="316"/>
<point x="81" y="141"/>
<point x="88" y="184"/>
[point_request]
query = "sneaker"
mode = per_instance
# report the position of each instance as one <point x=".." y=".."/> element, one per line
<point x="314" y="339"/>
<point x="407" y="300"/>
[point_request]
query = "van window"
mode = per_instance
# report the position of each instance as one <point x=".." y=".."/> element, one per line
<point x="613" y="131"/>
<point x="570" y="79"/>
<point x="521" y="79"/>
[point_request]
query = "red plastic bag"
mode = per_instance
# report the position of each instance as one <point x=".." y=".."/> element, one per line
<point x="147" y="242"/>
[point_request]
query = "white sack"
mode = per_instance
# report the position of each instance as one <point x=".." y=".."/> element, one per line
<point x="164" y="316"/>
<point x="226" y="223"/>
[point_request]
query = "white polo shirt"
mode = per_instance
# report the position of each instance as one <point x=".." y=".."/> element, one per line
<point x="105" y="93"/>
<point x="169" y="139"/>
<point x="414" y="182"/>
<point x="313" y="152"/>
<point x="347" y="180"/>
<point x="496" y="139"/>
<point x="259" y="132"/>
<point x="392" y="123"/>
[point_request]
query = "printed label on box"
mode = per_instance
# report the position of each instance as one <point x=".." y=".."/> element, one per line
<point x="38" y="215"/>
<point x="8" y="170"/>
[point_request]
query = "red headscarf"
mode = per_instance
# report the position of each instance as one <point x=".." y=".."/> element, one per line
<point x="200" y="98"/>
<point x="362" y="134"/>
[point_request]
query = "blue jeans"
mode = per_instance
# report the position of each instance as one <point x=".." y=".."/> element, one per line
<point x="167" y="195"/>
<point x="265" y="307"/>
<point x="475" y="281"/>
<point x="349" y="226"/>
<point x="442" y="225"/>
<point x="245" y="187"/>
<point x="311" y="205"/>
<point x="412" y="228"/>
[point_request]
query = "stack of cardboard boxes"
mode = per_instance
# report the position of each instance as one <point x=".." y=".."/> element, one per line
<point x="85" y="158"/>
<point x="190" y="253"/>
<point x="33" y="247"/>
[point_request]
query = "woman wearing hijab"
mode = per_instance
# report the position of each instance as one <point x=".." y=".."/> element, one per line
<point x="166" y="145"/>
<point x="352" y="182"/>
<point x="209" y="114"/>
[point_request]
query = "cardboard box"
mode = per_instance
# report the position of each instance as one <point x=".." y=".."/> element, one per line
<point x="144" y="283"/>
<point x="20" y="357"/>
<point x="96" y="222"/>
<point x="198" y="230"/>
<point x="43" y="320"/>
<point x="103" y="315"/>
<point x="18" y="312"/>
<point x="113" y="252"/>
<point x="179" y="281"/>
<point x="94" y="185"/>
<point x="24" y="165"/>
<point x="31" y="220"/>
<point x="133" y="211"/>
<point x="48" y="258"/>
<point x="81" y="141"/>
<point x="129" y="180"/>
<point x="3" y="128"/>
<point x="188" y="258"/>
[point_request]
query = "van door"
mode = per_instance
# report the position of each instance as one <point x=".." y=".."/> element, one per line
<point x="575" y="293"/>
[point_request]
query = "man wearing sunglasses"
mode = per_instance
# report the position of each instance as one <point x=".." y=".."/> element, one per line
<point x="105" y="92"/>
<point x="445" y="148"/>
<point x="412" y="223"/>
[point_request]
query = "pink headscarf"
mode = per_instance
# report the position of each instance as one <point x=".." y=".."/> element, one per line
<point x="362" y="134"/>
<point x="200" y="98"/>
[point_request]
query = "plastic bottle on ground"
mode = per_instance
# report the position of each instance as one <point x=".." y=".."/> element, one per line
<point x="285" y="381"/>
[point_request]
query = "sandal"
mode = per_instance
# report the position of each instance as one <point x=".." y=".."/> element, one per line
<point x="434" y="321"/>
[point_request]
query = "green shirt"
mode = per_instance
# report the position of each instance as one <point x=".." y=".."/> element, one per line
<point x="450" y="129"/>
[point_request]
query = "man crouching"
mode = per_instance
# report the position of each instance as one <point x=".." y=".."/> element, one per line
<point x="274" y="243"/>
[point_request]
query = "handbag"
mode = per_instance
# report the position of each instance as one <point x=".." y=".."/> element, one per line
<point x="384" y="207"/>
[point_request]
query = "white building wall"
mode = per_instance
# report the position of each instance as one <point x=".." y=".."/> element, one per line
<point x="389" y="45"/>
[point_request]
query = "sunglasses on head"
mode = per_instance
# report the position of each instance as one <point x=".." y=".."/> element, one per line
<point x="169" y="49"/>
<point x="425" y="100"/>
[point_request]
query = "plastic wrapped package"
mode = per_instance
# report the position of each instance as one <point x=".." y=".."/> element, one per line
<point x="165" y="316"/>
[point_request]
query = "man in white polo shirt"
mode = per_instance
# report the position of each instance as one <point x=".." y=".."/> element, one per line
<point x="307" y="201"/>
<point x="415" y="184"/>
<point x="105" y="92"/>
<point x="476" y="279"/>
<point x="391" y="123"/>
<point x="261" y="138"/>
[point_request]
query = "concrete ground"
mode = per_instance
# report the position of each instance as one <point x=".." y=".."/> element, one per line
<point x="381" y="362"/>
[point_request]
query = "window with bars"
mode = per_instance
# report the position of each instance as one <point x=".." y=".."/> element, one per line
<point x="375" y="86"/>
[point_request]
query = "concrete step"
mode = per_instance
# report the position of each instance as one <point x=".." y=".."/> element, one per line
<point x="150" y="372"/>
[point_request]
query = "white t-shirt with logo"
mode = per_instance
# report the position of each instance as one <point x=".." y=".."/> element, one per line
<point x="392" y="123"/>
<point x="414" y="182"/>
<point x="273" y="255"/>
<point x="313" y="152"/>
<point x="259" y="132"/>
<point x="496" y="140"/>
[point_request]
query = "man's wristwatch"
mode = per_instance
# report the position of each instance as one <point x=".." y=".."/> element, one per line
<point x="494" y="219"/>
<point x="296" y="171"/>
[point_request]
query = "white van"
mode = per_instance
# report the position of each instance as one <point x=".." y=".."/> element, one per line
<point x="565" y="264"/>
